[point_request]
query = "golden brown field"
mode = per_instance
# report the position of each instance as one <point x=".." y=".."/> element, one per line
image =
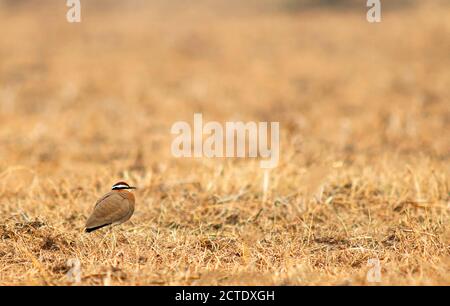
<point x="364" y="168"/>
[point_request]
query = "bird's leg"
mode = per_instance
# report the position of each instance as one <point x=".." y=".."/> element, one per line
<point x="104" y="237"/>
<point x="124" y="236"/>
<point x="114" y="241"/>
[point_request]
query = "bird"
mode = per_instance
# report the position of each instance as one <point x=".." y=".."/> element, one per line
<point x="114" y="208"/>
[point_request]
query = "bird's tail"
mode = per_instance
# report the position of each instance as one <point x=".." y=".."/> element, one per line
<point x="91" y="229"/>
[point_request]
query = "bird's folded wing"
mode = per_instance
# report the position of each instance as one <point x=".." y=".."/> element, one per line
<point x="109" y="209"/>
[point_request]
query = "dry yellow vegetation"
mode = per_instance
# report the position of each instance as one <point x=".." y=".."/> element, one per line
<point x="364" y="164"/>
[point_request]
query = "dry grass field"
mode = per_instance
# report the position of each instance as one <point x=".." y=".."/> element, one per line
<point x="364" y="167"/>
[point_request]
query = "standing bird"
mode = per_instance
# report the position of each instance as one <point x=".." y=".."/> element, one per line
<point x="115" y="207"/>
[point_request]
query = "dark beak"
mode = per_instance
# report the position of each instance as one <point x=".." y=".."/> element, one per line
<point x="131" y="187"/>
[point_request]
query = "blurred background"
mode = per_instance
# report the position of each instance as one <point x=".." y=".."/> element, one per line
<point x="107" y="90"/>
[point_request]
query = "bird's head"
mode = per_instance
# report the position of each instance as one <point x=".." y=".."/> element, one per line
<point x="121" y="186"/>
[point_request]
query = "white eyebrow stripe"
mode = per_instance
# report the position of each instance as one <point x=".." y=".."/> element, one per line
<point x="121" y="186"/>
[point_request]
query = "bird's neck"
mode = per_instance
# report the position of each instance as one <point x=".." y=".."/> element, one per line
<point x="126" y="193"/>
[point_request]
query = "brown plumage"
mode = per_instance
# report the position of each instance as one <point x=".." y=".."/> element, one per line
<point x="115" y="207"/>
